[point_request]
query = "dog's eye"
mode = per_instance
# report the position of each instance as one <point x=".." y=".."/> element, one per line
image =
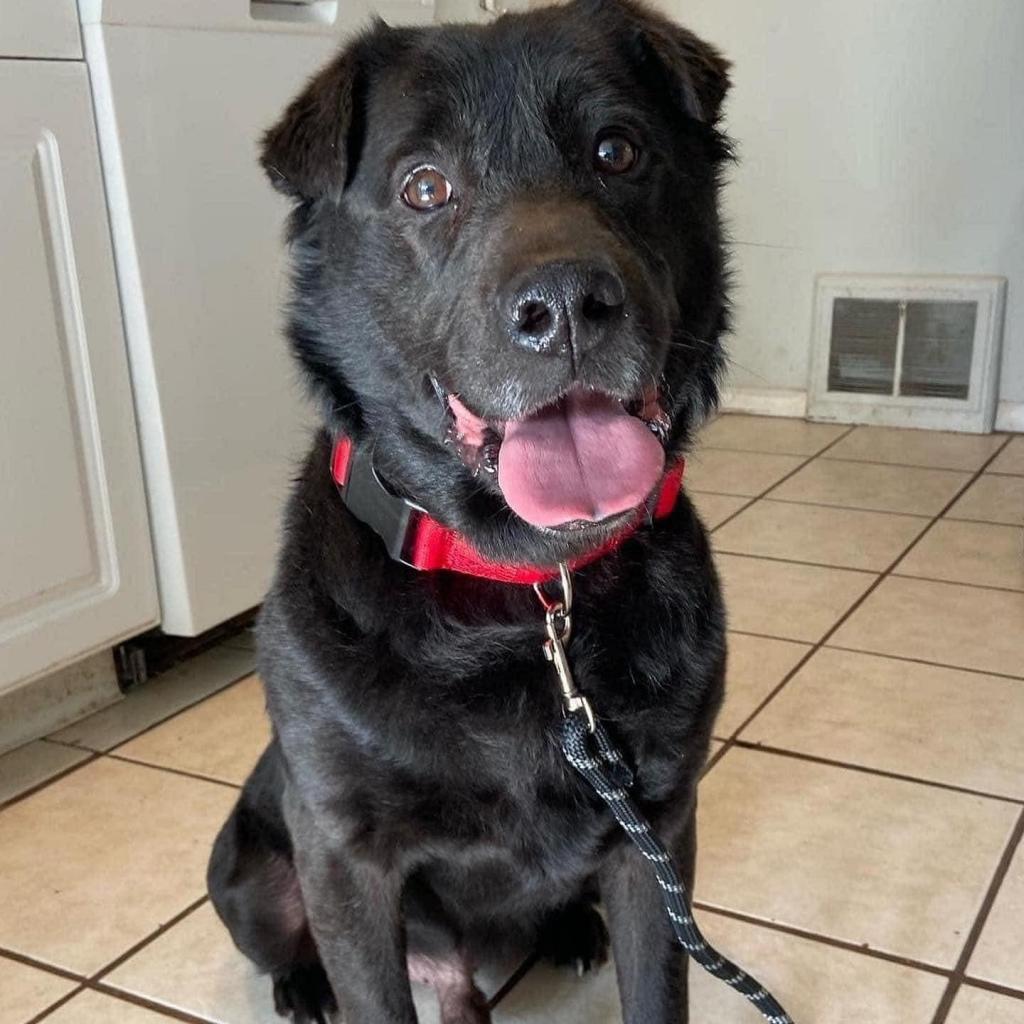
<point x="426" y="188"/>
<point x="615" y="154"/>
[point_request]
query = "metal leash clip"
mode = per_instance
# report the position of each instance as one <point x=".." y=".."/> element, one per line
<point x="558" y="626"/>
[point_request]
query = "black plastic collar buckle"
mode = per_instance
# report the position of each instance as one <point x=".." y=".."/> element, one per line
<point x="392" y="518"/>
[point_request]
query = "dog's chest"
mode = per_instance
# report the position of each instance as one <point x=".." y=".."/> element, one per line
<point x="483" y="780"/>
<point x="493" y="834"/>
<point x="449" y="747"/>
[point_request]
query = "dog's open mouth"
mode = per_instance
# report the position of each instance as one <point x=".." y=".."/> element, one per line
<point x="584" y="458"/>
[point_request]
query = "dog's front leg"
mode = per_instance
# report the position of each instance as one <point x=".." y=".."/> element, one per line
<point x="354" y="912"/>
<point x="651" y="968"/>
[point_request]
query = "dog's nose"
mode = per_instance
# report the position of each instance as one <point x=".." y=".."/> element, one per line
<point x="566" y="308"/>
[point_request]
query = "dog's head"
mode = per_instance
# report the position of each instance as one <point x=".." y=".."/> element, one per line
<point x="508" y="262"/>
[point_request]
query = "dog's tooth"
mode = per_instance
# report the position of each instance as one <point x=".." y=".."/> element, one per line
<point x="660" y="425"/>
<point x="489" y="457"/>
<point x="489" y="451"/>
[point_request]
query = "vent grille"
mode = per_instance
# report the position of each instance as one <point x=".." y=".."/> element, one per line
<point x="920" y="349"/>
<point x="937" y="349"/>
<point x="907" y="351"/>
<point x="862" y="355"/>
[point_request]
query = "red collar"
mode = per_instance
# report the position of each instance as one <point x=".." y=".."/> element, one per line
<point x="414" y="538"/>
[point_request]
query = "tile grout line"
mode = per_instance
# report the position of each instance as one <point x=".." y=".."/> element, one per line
<point x="168" y="1012"/>
<point x="797" y="561"/>
<point x="40" y="965"/>
<point x="970" y="981"/>
<point x="183" y="772"/>
<point x="145" y="1003"/>
<point x="961" y="583"/>
<point x="751" y="500"/>
<point x="514" y="979"/>
<point x="798" y="755"/>
<point x="956" y="980"/>
<point x="54" y="1007"/>
<point x="90" y="758"/>
<point x="822" y="939"/>
<point x="866" y="462"/>
<point x="876" y="654"/>
<point x="835" y="507"/>
<point x="848" y="613"/>
<point x="971" y="476"/>
<point x="983" y="522"/>
<point x="121" y="759"/>
<point x="858" y="949"/>
<point x="99" y="975"/>
<point x="874" y="572"/>
<point x="931" y="664"/>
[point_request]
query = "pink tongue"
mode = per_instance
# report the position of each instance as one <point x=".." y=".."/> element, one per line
<point x="584" y="458"/>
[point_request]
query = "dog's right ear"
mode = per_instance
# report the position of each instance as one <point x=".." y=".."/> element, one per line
<point x="690" y="72"/>
<point x="308" y="154"/>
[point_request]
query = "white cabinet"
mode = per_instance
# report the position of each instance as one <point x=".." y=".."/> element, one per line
<point x="76" y="571"/>
<point x="183" y="92"/>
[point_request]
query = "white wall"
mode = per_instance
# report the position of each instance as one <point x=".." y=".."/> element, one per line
<point x="874" y="136"/>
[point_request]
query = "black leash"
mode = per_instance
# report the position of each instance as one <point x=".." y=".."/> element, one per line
<point x="589" y="749"/>
<point x="602" y="766"/>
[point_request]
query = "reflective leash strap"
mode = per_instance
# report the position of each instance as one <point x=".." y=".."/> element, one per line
<point x="610" y="777"/>
<point x="607" y="773"/>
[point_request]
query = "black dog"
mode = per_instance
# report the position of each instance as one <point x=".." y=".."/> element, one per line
<point x="508" y="294"/>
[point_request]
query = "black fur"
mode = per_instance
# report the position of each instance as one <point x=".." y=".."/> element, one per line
<point x="414" y="798"/>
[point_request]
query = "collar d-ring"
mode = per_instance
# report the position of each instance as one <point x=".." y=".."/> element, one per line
<point x="562" y="602"/>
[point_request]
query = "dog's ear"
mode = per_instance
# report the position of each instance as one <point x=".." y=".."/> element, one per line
<point x="308" y="153"/>
<point x="694" y="72"/>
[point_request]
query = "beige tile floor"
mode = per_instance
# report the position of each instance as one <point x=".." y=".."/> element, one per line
<point x="861" y="819"/>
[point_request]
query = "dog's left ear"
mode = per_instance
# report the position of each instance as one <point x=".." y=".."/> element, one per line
<point x="694" y="72"/>
<point x="312" y="149"/>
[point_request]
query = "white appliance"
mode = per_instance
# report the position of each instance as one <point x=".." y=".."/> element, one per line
<point x="182" y="93"/>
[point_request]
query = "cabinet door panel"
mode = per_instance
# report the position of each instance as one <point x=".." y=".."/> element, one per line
<point x="40" y="28"/>
<point x="75" y="564"/>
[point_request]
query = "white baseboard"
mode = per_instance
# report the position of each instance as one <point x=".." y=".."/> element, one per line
<point x="1010" y="417"/>
<point x="766" y="401"/>
<point x="792" y="402"/>
<point x="44" y="705"/>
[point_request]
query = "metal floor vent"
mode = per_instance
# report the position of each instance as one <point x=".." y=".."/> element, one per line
<point x="902" y="351"/>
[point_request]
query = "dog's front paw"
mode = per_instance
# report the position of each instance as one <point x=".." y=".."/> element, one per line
<point x="304" y="996"/>
<point x="575" y="937"/>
